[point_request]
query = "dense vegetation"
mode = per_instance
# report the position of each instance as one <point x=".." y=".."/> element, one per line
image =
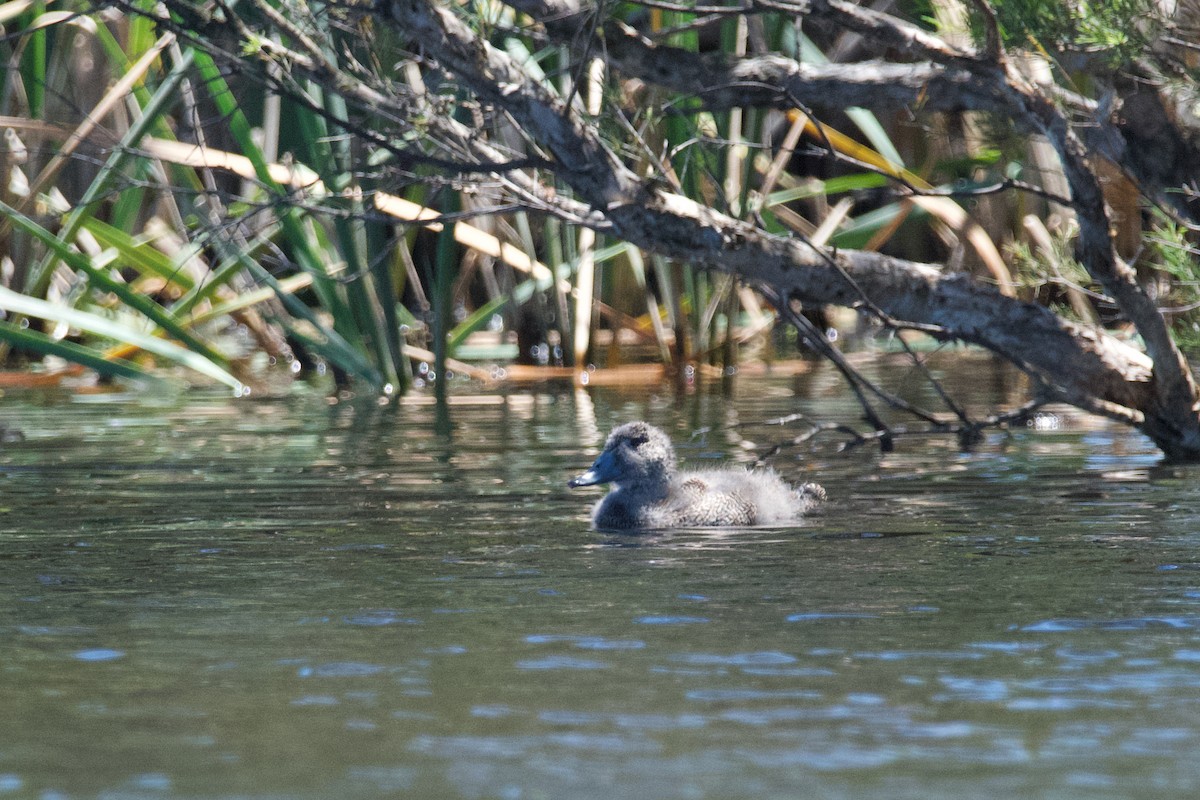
<point x="262" y="189"/>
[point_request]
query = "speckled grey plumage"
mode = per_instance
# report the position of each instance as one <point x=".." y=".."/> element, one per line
<point x="649" y="493"/>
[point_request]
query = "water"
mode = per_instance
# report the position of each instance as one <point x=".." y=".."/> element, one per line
<point x="269" y="599"/>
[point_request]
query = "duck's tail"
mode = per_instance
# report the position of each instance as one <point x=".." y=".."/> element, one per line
<point x="811" y="494"/>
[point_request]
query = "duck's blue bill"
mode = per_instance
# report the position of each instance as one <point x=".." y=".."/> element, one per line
<point x="603" y="470"/>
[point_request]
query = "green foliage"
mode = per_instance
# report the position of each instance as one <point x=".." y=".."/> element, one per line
<point x="1116" y="29"/>
<point x="1051" y="276"/>
<point x="357" y="333"/>
<point x="1172" y="254"/>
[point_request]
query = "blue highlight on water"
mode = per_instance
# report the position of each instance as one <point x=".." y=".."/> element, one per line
<point x="99" y="654"/>
<point x="341" y="669"/>
<point x="761" y="659"/>
<point x="560" y="662"/>
<point x="153" y="781"/>
<point x="585" y="642"/>
<point x="823" y="616"/>
<point x="1131" y="624"/>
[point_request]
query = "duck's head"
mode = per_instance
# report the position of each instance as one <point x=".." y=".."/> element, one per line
<point x="635" y="453"/>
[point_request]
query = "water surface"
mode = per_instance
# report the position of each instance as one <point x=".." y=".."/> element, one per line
<point x="291" y="598"/>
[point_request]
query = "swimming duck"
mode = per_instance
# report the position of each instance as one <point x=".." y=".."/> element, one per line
<point x="649" y="493"/>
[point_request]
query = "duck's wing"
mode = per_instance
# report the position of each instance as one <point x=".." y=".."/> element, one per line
<point x="700" y="503"/>
<point x="745" y="497"/>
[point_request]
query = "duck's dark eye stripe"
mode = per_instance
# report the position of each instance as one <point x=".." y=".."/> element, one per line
<point x="638" y="441"/>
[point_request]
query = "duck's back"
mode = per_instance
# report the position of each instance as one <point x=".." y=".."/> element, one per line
<point x="710" y="498"/>
<point x="766" y="498"/>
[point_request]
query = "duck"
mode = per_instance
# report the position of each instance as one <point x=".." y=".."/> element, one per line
<point x="651" y="493"/>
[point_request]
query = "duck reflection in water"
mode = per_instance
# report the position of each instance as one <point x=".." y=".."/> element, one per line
<point x="650" y="493"/>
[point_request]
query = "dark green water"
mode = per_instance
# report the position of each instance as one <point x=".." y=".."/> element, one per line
<point x="288" y="599"/>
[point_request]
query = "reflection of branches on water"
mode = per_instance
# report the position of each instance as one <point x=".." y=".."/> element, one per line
<point x="968" y="433"/>
<point x="859" y="383"/>
<point x="815" y="428"/>
<point x="818" y="342"/>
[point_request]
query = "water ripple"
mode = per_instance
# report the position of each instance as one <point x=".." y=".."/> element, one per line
<point x="379" y="618"/>
<point x="819" y="616"/>
<point x="761" y="659"/>
<point x="1064" y="625"/>
<point x="341" y="669"/>
<point x="586" y="642"/>
<point x="560" y="662"/>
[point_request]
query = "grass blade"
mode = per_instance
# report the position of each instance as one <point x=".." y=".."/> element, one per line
<point x="162" y="100"/>
<point x="17" y="303"/>
<point x="37" y="342"/>
<point x="99" y="279"/>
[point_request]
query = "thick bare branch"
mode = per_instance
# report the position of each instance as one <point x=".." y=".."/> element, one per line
<point x="773" y="80"/>
<point x="492" y="74"/>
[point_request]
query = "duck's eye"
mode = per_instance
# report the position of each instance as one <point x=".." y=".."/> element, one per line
<point x="639" y="440"/>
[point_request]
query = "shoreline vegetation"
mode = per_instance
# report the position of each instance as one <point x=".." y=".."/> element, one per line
<point x="381" y="193"/>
